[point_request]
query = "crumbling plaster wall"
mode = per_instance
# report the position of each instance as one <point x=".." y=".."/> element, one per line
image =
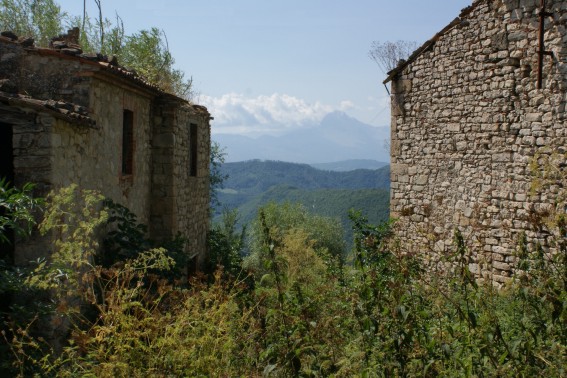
<point x="467" y="120"/>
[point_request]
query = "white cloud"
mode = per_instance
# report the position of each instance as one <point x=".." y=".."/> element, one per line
<point x="274" y="114"/>
<point x="346" y="105"/>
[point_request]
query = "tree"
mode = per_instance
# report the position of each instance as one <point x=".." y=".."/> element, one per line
<point x="91" y="39"/>
<point x="217" y="178"/>
<point x="387" y="55"/>
<point x="226" y="244"/>
<point x="40" y="20"/>
<point x="147" y="52"/>
<point x="276" y="221"/>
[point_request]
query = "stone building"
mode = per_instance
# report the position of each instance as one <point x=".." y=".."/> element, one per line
<point x="478" y="117"/>
<point x="68" y="117"/>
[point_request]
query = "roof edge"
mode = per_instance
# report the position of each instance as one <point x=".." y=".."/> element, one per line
<point x="57" y="109"/>
<point x="429" y="43"/>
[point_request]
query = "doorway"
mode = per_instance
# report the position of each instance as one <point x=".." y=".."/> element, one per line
<point x="6" y="244"/>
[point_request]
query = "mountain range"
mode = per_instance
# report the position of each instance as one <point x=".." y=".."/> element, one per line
<point x="349" y="165"/>
<point x="337" y="137"/>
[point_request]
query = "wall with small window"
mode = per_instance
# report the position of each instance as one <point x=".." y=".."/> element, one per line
<point x="114" y="157"/>
<point x="127" y="142"/>
<point x="180" y="193"/>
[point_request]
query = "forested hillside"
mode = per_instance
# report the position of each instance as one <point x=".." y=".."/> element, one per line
<point x="334" y="203"/>
<point x="254" y="183"/>
<point x="256" y="176"/>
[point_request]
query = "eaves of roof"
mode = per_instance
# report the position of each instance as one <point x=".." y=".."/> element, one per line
<point x="58" y="109"/>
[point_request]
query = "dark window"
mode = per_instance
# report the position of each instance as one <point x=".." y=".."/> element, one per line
<point x="6" y="153"/>
<point x="193" y="149"/>
<point x="127" y="142"/>
<point x="7" y="174"/>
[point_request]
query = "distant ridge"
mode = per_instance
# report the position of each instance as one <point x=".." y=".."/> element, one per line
<point x="257" y="176"/>
<point x="337" y="137"/>
<point x="350" y="165"/>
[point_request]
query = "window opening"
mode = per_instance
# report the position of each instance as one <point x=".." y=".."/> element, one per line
<point x="127" y="142"/>
<point x="193" y="149"/>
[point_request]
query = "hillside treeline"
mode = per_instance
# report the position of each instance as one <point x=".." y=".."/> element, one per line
<point x="257" y="176"/>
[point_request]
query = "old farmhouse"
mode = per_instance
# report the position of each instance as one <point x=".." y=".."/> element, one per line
<point x="68" y="117"/>
<point x="479" y="134"/>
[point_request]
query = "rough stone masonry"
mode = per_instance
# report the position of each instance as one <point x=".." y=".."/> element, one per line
<point x="476" y="146"/>
<point x="72" y="118"/>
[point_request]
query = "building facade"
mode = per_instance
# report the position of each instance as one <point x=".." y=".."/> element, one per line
<point x="478" y="134"/>
<point x="73" y="118"/>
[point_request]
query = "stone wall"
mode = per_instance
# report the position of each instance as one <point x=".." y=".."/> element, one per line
<point x="91" y="157"/>
<point x="192" y="207"/>
<point x="38" y="73"/>
<point x="467" y="121"/>
<point x="31" y="154"/>
<point x="67" y="129"/>
<point x="180" y="202"/>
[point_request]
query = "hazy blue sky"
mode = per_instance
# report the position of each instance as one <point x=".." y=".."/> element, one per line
<point x="261" y="66"/>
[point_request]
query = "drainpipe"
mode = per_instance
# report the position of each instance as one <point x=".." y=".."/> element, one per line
<point x="541" y="53"/>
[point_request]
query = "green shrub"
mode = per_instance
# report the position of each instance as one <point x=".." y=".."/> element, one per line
<point x="126" y="239"/>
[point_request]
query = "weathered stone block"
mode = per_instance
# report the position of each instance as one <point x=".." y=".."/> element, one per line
<point x="502" y="157"/>
<point x="164" y="140"/>
<point x="398" y="168"/>
<point x="421" y="180"/>
<point x="454" y="127"/>
<point x="533" y="117"/>
<point x="501" y="265"/>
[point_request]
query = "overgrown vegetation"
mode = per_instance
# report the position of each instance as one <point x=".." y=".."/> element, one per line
<point x="295" y="307"/>
<point x="16" y="210"/>
<point x="387" y="55"/>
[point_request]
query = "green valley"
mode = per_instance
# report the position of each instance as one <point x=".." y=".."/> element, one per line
<point x="251" y="184"/>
